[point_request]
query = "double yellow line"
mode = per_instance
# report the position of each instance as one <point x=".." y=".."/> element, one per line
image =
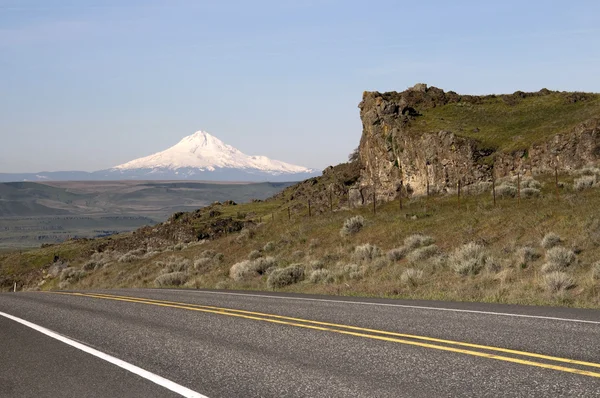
<point x="401" y="338"/>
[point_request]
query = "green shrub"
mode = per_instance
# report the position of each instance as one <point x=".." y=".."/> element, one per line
<point x="558" y="281"/>
<point x="352" y="226"/>
<point x="282" y="277"/>
<point x="468" y="259"/>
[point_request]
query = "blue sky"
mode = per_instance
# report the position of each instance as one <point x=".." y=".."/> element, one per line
<point x="89" y="84"/>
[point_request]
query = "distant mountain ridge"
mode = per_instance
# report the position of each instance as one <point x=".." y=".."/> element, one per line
<point x="200" y="156"/>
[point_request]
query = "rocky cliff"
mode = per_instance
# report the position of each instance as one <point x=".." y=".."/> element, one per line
<point x="427" y="139"/>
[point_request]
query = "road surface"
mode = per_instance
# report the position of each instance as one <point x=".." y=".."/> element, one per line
<point x="173" y="343"/>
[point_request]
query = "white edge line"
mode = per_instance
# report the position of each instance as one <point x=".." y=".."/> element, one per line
<point x="393" y="305"/>
<point x="161" y="381"/>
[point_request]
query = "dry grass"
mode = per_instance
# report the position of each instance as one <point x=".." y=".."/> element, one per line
<point x="502" y="230"/>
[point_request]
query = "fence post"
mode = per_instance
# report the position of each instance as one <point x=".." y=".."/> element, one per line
<point x="400" y="196"/>
<point x="374" y="201"/>
<point x="518" y="187"/>
<point x="309" y="212"/>
<point x="556" y="183"/>
<point x="494" y="187"/>
<point x="15" y="289"/>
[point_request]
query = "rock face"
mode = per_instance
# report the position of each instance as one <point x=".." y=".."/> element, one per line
<point x="395" y="156"/>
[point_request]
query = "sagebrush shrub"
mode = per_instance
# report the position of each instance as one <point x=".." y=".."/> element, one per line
<point x="179" y="247"/>
<point x="477" y="188"/>
<point x="366" y="252"/>
<point x="584" y="182"/>
<point x="526" y="255"/>
<point x="352" y="225"/>
<point x="241" y="270"/>
<point x="558" y="281"/>
<point x="320" y="276"/>
<point x="417" y="240"/>
<point x="269" y="246"/>
<point x="316" y="264"/>
<point x="352" y="271"/>
<point x="202" y="262"/>
<point x="492" y="264"/>
<point x="132" y="255"/>
<point x="411" y="276"/>
<point x="530" y="192"/>
<point x="171" y="279"/>
<point x="298" y="254"/>
<point x="254" y="254"/>
<point x="468" y="259"/>
<point x="550" y="240"/>
<point x="281" y="277"/>
<point x="530" y="183"/>
<point x="175" y="264"/>
<point x="250" y="268"/>
<point x="208" y="254"/>
<point x="98" y="260"/>
<point x="422" y="253"/>
<point x="558" y="258"/>
<point x="397" y="254"/>
<point x="506" y="190"/>
<point x="71" y="275"/>
<point x="244" y="235"/>
<point x="596" y="270"/>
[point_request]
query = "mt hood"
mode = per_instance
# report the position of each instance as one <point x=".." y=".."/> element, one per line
<point x="202" y="156"/>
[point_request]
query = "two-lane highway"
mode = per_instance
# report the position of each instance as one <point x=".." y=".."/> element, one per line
<point x="241" y="344"/>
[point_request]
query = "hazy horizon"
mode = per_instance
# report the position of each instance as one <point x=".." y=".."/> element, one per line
<point x="89" y="86"/>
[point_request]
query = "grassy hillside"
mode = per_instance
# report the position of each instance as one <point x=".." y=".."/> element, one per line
<point x="511" y="122"/>
<point x="431" y="248"/>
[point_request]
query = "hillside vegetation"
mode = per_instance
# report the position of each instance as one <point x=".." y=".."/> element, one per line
<point x="512" y="122"/>
<point x="537" y="250"/>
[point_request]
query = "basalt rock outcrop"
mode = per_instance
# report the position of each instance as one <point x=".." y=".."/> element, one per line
<point x="398" y="154"/>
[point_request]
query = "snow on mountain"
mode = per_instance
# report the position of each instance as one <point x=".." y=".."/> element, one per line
<point x="205" y="153"/>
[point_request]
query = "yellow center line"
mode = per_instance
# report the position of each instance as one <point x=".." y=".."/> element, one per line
<point x="404" y="335"/>
<point x="324" y="326"/>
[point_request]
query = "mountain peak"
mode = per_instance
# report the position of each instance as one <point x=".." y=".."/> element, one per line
<point x="204" y="152"/>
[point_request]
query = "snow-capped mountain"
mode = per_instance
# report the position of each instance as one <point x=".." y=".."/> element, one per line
<point x="199" y="156"/>
<point x="207" y="153"/>
<point x="205" y="157"/>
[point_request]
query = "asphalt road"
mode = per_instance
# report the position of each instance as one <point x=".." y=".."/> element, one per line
<point x="236" y="344"/>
